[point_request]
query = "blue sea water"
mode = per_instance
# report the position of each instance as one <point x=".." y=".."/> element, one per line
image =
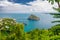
<point x="43" y="23"/>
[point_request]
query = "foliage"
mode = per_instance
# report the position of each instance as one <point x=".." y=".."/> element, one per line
<point x="56" y="21"/>
<point x="55" y="30"/>
<point x="57" y="9"/>
<point x="10" y="29"/>
<point x="52" y="1"/>
<point x="58" y="3"/>
<point x="16" y="31"/>
<point x="57" y="16"/>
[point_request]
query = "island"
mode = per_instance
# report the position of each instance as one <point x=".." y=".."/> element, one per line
<point x="33" y="17"/>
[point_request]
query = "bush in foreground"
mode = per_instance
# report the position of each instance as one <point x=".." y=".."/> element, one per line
<point x="11" y="30"/>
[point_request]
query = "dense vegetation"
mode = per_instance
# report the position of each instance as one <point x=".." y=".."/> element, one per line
<point x="56" y="15"/>
<point x="11" y="30"/>
<point x="56" y="29"/>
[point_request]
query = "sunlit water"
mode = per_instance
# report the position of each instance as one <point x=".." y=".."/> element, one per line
<point x="43" y="23"/>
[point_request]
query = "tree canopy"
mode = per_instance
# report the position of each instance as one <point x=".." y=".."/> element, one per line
<point x="12" y="30"/>
<point x="58" y="3"/>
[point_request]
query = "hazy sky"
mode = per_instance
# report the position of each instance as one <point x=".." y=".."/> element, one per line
<point x="26" y="6"/>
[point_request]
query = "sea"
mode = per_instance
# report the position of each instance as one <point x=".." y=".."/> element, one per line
<point x="45" y="21"/>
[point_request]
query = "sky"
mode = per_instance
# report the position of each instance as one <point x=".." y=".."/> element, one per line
<point x="26" y="6"/>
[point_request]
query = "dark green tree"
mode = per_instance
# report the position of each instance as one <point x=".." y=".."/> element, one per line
<point x="56" y="15"/>
<point x="55" y="30"/>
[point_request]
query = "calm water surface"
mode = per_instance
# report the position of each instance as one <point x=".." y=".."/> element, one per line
<point x="43" y="23"/>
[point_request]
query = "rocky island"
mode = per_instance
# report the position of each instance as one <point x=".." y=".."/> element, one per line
<point x="33" y="17"/>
